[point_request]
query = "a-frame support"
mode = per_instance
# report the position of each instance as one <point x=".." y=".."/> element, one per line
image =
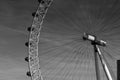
<point x="98" y="54"/>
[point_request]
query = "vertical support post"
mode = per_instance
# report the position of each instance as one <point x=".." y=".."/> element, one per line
<point x="96" y="63"/>
<point x="118" y="69"/>
<point x="105" y="67"/>
<point x="97" y="53"/>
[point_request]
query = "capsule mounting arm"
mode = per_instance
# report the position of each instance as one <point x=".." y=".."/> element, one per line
<point x="93" y="39"/>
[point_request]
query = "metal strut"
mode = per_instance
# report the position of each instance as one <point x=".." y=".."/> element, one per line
<point x="96" y="63"/>
<point x="105" y="67"/>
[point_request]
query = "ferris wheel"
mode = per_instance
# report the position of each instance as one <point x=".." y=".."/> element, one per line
<point x="32" y="44"/>
<point x="33" y="59"/>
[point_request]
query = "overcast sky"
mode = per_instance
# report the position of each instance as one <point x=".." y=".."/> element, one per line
<point x="62" y="51"/>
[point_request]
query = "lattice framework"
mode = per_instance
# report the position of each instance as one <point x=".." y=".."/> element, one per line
<point x="33" y="58"/>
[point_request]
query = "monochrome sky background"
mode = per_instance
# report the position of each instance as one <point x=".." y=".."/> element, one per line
<point x="63" y="53"/>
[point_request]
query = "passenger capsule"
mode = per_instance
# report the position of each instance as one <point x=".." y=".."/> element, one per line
<point x="27" y="44"/>
<point x="34" y="14"/>
<point x="26" y="59"/>
<point x="28" y="74"/>
<point x="39" y="1"/>
<point x="29" y="29"/>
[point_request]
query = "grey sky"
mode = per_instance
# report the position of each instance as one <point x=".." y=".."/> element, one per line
<point x="61" y="49"/>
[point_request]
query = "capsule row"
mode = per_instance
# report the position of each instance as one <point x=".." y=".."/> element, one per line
<point x="29" y="29"/>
